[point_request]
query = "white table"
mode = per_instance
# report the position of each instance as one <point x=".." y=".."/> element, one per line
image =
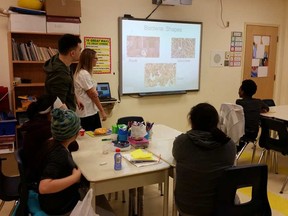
<point x="161" y="144"/>
<point x="279" y="112"/>
<point x="98" y="169"/>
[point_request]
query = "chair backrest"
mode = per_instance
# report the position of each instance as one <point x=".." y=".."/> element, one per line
<point x="274" y="135"/>
<point x="22" y="209"/>
<point x="233" y="178"/>
<point x="269" y="102"/>
<point x="232" y="121"/>
<point x="126" y="119"/>
<point x="9" y="185"/>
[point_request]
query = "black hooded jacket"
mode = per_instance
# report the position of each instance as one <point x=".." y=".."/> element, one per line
<point x="200" y="161"/>
<point x="59" y="81"/>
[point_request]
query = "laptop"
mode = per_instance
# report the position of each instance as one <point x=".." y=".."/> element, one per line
<point x="104" y="92"/>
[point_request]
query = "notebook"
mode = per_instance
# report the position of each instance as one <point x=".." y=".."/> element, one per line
<point x="104" y="92"/>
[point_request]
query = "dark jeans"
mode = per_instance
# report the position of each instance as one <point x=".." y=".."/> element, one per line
<point x="90" y="123"/>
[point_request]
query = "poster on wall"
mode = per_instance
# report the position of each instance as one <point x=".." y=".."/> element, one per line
<point x="102" y="46"/>
<point x="235" y="49"/>
<point x="260" y="55"/>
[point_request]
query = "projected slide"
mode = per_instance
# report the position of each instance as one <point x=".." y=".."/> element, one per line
<point x="159" y="56"/>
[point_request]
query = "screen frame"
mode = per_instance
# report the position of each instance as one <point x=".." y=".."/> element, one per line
<point x="121" y="72"/>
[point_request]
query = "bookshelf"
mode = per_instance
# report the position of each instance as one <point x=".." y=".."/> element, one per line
<point x="29" y="70"/>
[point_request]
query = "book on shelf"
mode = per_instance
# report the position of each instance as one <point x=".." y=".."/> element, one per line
<point x="39" y="54"/>
<point x="31" y="52"/>
<point x="34" y="51"/>
<point x="15" y="51"/>
<point x="24" y="52"/>
<point x="28" y="52"/>
<point x="19" y="52"/>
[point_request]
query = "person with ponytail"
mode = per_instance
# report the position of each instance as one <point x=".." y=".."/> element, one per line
<point x="201" y="155"/>
<point x="85" y="90"/>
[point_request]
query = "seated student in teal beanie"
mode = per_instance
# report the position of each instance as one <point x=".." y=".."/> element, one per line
<point x="59" y="184"/>
<point x="252" y="108"/>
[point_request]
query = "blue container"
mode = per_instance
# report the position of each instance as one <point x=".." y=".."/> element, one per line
<point x="122" y="134"/>
<point x="7" y="127"/>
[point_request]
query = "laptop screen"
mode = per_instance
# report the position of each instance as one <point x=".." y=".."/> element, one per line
<point x="103" y="90"/>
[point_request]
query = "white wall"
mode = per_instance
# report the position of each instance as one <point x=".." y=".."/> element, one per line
<point x="99" y="18"/>
<point x="4" y="64"/>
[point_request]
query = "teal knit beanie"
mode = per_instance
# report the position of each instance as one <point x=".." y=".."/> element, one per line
<point x="65" y="124"/>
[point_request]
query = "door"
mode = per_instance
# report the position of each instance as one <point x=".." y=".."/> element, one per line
<point x="260" y="58"/>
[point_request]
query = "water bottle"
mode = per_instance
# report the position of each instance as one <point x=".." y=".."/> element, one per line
<point x="118" y="160"/>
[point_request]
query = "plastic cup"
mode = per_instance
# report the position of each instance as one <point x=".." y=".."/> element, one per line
<point x="114" y="136"/>
<point x="106" y="145"/>
<point x="81" y="132"/>
<point x="114" y="129"/>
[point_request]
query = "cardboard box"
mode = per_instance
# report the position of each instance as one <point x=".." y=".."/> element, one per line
<point x="57" y="24"/>
<point x="27" y="23"/>
<point x="68" y="8"/>
<point x="63" y="27"/>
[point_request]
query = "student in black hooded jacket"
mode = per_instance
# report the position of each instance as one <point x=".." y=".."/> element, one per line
<point x="201" y="155"/>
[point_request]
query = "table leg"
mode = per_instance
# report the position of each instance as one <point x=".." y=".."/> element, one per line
<point x="166" y="194"/>
<point x="93" y="202"/>
<point x="132" y="194"/>
<point x="174" y="209"/>
<point x="140" y="201"/>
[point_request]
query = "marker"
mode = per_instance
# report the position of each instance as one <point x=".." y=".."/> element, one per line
<point x="106" y="139"/>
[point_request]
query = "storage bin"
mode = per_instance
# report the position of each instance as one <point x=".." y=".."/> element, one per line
<point x="27" y="23"/>
<point x="7" y="127"/>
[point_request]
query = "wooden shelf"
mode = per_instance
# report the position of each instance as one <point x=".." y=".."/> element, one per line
<point x="29" y="70"/>
<point x="28" y="62"/>
<point x="20" y="110"/>
<point x="37" y="34"/>
<point x="29" y="85"/>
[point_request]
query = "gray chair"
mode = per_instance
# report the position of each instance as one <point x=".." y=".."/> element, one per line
<point x="233" y="178"/>
<point x="274" y="136"/>
<point x="126" y="119"/>
<point x="269" y="102"/>
<point x="9" y="187"/>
